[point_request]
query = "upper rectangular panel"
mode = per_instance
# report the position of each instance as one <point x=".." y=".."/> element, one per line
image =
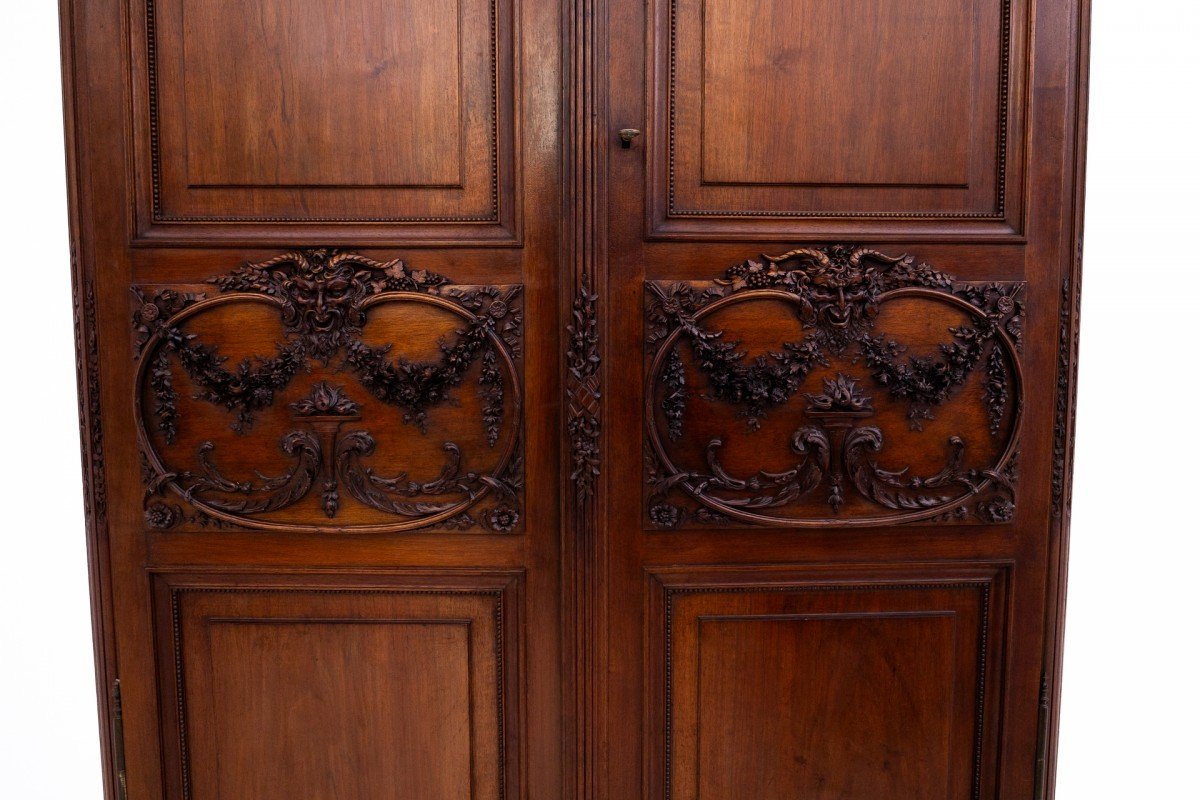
<point x="292" y="131"/>
<point x="928" y="77"/>
<point x="360" y="120"/>
<point x="778" y="119"/>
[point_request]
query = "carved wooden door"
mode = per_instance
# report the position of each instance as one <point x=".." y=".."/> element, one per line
<point x="527" y="399"/>
<point x="317" y="290"/>
<point x="835" y="278"/>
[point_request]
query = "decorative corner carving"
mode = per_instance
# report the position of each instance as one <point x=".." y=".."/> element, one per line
<point x="836" y="477"/>
<point x="583" y="392"/>
<point x="324" y="299"/>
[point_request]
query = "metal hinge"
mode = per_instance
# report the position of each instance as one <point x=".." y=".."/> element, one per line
<point x="1043" y="745"/>
<point x="118" y="731"/>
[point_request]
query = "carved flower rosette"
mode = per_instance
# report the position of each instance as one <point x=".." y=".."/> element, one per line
<point x="325" y="392"/>
<point x="831" y="387"/>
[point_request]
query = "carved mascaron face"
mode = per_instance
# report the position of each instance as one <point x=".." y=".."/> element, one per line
<point x="842" y="293"/>
<point x="847" y="307"/>
<point x="324" y="299"/>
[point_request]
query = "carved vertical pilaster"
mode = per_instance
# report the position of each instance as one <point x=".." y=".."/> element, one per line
<point x="87" y="369"/>
<point x="584" y="253"/>
<point x="1062" y="401"/>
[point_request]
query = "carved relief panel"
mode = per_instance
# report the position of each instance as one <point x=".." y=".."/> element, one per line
<point x="324" y="391"/>
<point x="833" y="386"/>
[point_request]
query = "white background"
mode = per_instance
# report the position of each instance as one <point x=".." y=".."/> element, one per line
<point x="1130" y="698"/>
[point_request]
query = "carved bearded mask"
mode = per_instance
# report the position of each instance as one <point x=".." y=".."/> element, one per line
<point x="322" y="303"/>
<point x="843" y="308"/>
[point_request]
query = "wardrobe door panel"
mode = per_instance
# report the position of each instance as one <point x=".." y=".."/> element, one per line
<point x="324" y="527"/>
<point x="839" y="253"/>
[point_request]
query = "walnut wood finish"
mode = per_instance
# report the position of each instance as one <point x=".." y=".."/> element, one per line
<point x="525" y="399"/>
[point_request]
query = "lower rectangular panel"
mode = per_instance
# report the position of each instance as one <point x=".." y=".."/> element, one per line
<point x="312" y="687"/>
<point x="808" y="683"/>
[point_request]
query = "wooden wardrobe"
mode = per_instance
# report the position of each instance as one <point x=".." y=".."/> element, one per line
<point x="576" y="400"/>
